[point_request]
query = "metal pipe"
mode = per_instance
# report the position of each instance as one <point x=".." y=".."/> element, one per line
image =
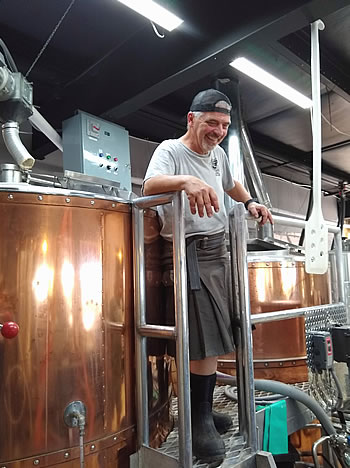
<point x="10" y="174"/>
<point x="153" y="200"/>
<point x="290" y="313"/>
<point x="46" y="183"/>
<point x="157" y="331"/>
<point x="238" y="224"/>
<point x="253" y="169"/>
<point x="182" y="343"/>
<point x="314" y="449"/>
<point x="38" y="121"/>
<point x="81" y="450"/>
<point x="300" y="223"/>
<point x="237" y="330"/>
<point x="14" y="145"/>
<point x="81" y="420"/>
<point x="340" y="398"/>
<point x="140" y="321"/>
<point x="339" y="265"/>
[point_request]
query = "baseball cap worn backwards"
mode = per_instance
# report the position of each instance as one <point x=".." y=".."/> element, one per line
<point x="211" y="100"/>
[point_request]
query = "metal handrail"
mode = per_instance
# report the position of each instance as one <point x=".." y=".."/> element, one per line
<point x="240" y="282"/>
<point x="179" y="332"/>
<point x="290" y="313"/>
<point x="243" y="336"/>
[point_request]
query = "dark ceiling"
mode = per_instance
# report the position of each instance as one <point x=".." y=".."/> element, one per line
<point x="103" y="58"/>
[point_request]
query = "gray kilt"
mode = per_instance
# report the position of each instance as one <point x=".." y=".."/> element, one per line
<point x="210" y="305"/>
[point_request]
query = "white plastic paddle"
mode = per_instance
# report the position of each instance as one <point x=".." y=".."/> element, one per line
<point x="316" y="231"/>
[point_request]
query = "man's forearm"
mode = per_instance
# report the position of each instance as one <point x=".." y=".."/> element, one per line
<point x="239" y="193"/>
<point x="164" y="184"/>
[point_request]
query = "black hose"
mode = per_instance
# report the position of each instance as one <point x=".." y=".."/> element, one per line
<point x="340" y="398"/>
<point x="308" y="212"/>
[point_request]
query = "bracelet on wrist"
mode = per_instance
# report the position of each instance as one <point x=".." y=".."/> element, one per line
<point x="248" y="202"/>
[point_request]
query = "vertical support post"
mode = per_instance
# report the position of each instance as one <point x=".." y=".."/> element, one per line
<point x="182" y="341"/>
<point x="140" y="320"/>
<point x="238" y="225"/>
<point x="237" y="330"/>
<point x="339" y="265"/>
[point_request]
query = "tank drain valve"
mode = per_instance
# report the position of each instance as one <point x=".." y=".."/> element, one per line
<point x="75" y="416"/>
<point x="9" y="329"/>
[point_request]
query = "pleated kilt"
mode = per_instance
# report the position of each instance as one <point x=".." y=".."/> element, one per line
<point x="210" y="306"/>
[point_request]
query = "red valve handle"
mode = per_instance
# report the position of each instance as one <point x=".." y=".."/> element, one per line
<point x="9" y="330"/>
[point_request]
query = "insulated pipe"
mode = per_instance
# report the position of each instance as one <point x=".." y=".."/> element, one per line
<point x="10" y="133"/>
<point x="254" y="172"/>
<point x="38" y="121"/>
<point x="256" y="180"/>
<point x="287" y="390"/>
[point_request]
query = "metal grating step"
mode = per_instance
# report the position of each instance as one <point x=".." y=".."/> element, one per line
<point x="235" y="445"/>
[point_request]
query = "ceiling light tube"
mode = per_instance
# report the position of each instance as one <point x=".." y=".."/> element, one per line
<point x="270" y="81"/>
<point x="154" y="12"/>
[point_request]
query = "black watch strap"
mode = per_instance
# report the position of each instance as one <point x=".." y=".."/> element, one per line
<point x="248" y="202"/>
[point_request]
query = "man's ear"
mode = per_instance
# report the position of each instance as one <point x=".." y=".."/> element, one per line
<point x="190" y="118"/>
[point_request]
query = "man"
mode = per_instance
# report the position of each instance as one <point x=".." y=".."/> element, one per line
<point x="196" y="164"/>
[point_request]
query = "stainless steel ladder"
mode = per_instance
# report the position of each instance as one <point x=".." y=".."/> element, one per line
<point x="147" y="457"/>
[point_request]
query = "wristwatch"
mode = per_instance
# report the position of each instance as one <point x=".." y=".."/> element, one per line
<point x="251" y="200"/>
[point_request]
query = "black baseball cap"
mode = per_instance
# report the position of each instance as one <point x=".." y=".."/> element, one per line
<point x="211" y="100"/>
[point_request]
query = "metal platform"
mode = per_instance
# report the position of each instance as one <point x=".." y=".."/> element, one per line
<point x="297" y="417"/>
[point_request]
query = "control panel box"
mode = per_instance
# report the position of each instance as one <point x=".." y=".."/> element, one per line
<point x="322" y="348"/>
<point x="95" y="147"/>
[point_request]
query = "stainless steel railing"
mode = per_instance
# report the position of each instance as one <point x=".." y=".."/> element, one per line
<point x="179" y="332"/>
<point x="239" y="263"/>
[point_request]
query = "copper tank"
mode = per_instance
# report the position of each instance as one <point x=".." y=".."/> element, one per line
<point x="278" y="281"/>
<point x="66" y="279"/>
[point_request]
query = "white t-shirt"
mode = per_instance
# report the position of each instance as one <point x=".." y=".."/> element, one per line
<point x="172" y="157"/>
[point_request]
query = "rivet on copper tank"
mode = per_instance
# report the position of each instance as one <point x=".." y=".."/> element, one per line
<point x="40" y="197"/>
<point x="36" y="462"/>
<point x="92" y="202"/>
<point x="10" y="197"/>
<point x="67" y="200"/>
<point x="66" y="455"/>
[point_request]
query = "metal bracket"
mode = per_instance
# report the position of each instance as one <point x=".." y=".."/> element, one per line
<point x="147" y="457"/>
<point x="265" y="460"/>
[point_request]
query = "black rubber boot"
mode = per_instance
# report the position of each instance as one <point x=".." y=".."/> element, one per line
<point x="207" y="444"/>
<point x="222" y="421"/>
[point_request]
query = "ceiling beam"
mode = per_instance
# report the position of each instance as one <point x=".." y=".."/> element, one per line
<point x="293" y="155"/>
<point x="221" y="54"/>
<point x="296" y="48"/>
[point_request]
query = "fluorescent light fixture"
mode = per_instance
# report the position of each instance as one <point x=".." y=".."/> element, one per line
<point x="154" y="12"/>
<point x="270" y="81"/>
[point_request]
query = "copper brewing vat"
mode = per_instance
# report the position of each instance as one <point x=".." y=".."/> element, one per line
<point x="66" y="279"/>
<point x="278" y="281"/>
